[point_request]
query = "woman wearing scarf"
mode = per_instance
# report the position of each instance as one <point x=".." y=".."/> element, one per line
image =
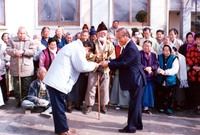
<point x="184" y="94"/>
<point x="48" y="55"/>
<point x="188" y="43"/>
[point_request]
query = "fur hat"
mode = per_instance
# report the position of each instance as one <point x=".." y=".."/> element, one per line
<point x="138" y="35"/>
<point x="101" y="27"/>
<point x="92" y="31"/>
<point x="85" y="27"/>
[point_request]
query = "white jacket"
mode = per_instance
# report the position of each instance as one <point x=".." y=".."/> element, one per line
<point x="66" y="67"/>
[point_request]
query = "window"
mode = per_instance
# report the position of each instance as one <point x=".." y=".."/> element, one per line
<point x="59" y="12"/>
<point x="125" y="10"/>
<point x="2" y="12"/>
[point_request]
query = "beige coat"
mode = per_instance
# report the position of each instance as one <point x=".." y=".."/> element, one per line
<point x="26" y="60"/>
<point x="107" y="54"/>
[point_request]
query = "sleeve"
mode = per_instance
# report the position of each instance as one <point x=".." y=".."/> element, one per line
<point x="11" y="48"/>
<point x="42" y="59"/>
<point x="80" y="62"/>
<point x="175" y="68"/>
<point x="32" y="93"/>
<point x="155" y="63"/>
<point x="31" y="50"/>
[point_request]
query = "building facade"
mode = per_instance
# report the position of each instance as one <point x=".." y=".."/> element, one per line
<point x="73" y="14"/>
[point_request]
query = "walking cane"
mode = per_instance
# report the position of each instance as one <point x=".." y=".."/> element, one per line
<point x="98" y="85"/>
<point x="19" y="75"/>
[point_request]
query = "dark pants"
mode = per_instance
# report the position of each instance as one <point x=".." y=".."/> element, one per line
<point x="166" y="97"/>
<point x="25" y="83"/>
<point x="193" y="94"/>
<point x="135" y="109"/>
<point x="4" y="88"/>
<point x="57" y="99"/>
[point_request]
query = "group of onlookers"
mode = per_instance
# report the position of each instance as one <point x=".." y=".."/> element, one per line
<point x="172" y="68"/>
<point x="176" y="78"/>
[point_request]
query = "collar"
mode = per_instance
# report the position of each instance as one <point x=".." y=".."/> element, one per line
<point x="124" y="46"/>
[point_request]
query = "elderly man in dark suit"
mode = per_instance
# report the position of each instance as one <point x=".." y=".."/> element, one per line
<point x="131" y="77"/>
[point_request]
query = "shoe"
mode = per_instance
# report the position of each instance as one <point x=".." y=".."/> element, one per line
<point x="124" y="130"/>
<point x="161" y="110"/>
<point x="147" y="112"/>
<point x="139" y="128"/>
<point x="69" y="110"/>
<point x="169" y="112"/>
<point x="117" y="107"/>
<point x="69" y="132"/>
<point x="87" y="110"/>
<point x="104" y="110"/>
<point x="47" y="113"/>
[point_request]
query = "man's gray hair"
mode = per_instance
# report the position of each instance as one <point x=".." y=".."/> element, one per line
<point x="40" y="69"/>
<point x="124" y="32"/>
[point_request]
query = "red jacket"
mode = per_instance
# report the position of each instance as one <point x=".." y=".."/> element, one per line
<point x="193" y="59"/>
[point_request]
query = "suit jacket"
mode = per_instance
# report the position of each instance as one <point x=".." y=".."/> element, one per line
<point x="131" y="74"/>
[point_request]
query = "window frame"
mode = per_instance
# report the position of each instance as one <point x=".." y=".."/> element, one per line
<point x="130" y="16"/>
<point x="59" y="22"/>
<point x="4" y="16"/>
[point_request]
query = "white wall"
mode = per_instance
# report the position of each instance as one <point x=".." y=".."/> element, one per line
<point x="19" y="13"/>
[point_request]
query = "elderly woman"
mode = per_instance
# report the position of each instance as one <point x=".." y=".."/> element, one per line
<point x="167" y="79"/>
<point x="150" y="65"/>
<point x="48" y="55"/>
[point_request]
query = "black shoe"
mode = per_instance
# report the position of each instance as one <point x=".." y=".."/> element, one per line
<point x="87" y="110"/>
<point x="122" y="131"/>
<point x="147" y="112"/>
<point x="69" y="110"/>
<point x="139" y="128"/>
<point x="126" y="131"/>
<point x="104" y="110"/>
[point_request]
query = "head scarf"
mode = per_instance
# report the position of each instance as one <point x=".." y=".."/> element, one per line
<point x="193" y="42"/>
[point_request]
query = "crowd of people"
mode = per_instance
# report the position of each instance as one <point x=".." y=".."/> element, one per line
<point x="63" y="72"/>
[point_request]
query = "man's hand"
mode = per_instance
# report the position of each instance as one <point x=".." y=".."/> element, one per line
<point x="19" y="53"/>
<point x="162" y="72"/>
<point x="104" y="64"/>
<point x="43" y="102"/>
<point x="148" y="70"/>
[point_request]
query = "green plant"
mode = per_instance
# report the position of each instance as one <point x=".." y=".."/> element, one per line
<point x="141" y="16"/>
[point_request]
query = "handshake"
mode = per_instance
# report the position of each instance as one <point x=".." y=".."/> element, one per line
<point x="100" y="66"/>
<point x="42" y="102"/>
<point x="19" y="53"/>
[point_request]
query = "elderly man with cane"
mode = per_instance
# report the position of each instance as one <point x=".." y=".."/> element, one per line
<point x="21" y="49"/>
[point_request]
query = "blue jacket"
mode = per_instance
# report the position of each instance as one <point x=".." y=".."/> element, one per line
<point x="34" y="90"/>
<point x="170" y="80"/>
